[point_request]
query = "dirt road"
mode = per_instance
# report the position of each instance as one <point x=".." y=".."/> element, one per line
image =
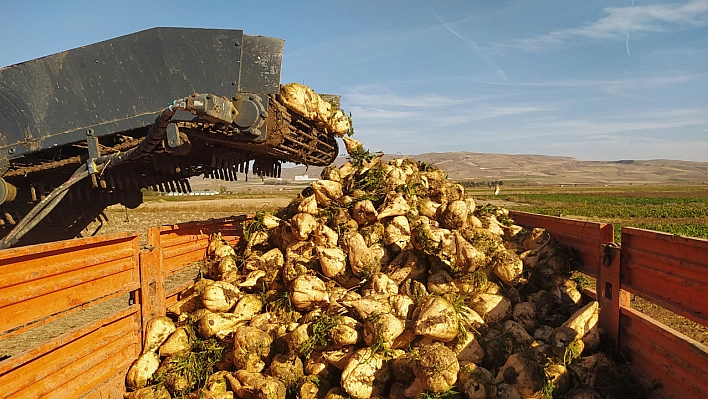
<point x="158" y="213"/>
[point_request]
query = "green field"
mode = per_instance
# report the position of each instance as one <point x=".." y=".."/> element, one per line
<point x="675" y="209"/>
<point x="681" y="210"/>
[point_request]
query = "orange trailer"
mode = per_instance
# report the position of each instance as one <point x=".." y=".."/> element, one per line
<point x="99" y="292"/>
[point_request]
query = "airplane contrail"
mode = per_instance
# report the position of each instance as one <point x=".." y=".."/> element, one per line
<point x="474" y="47"/>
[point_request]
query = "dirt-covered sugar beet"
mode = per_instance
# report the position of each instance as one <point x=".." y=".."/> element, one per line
<point x="381" y="280"/>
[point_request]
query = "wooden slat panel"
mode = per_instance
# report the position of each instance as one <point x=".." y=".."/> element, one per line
<point x="230" y="229"/>
<point x="83" y="374"/>
<point x="33" y="289"/>
<point x="28" y="356"/>
<point x="171" y="299"/>
<point x="174" y="292"/>
<point x="94" y="370"/>
<point x="42" y="283"/>
<point x="171" y="235"/>
<point x="585" y="238"/>
<point x="659" y="353"/>
<point x="18" y="265"/>
<point x="187" y="242"/>
<point x="38" y="283"/>
<point x="190" y="245"/>
<point x="42" y="369"/>
<point x="112" y="387"/>
<point x="176" y="257"/>
<point x="19" y="314"/>
<point x="589" y="294"/>
<point x="668" y="270"/>
<point x="175" y="238"/>
<point x="178" y="263"/>
<point x="66" y="313"/>
<point x="642" y="367"/>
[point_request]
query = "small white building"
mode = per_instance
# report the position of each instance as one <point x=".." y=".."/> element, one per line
<point x="305" y="177"/>
<point x="193" y="193"/>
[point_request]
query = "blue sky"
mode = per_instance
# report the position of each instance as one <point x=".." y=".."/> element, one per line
<point x="594" y="80"/>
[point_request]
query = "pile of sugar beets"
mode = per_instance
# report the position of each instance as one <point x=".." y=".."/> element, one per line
<point x="381" y="280"/>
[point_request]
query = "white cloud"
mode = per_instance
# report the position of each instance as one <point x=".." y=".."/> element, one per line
<point x="615" y="86"/>
<point x="649" y="124"/>
<point x="619" y="22"/>
<point x="583" y="127"/>
<point x="377" y="113"/>
<point x="489" y="112"/>
<point x="675" y="133"/>
<point x="376" y="105"/>
<point x="697" y="51"/>
<point x="378" y="96"/>
<point x="622" y="147"/>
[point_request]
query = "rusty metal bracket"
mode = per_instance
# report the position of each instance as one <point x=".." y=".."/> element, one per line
<point x="93" y="153"/>
<point x="609" y="253"/>
<point x="176" y="142"/>
<point x="172" y="136"/>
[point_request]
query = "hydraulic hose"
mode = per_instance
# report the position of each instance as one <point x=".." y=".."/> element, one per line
<point x="154" y="137"/>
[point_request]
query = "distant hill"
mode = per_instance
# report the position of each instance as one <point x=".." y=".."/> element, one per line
<point x="544" y="170"/>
